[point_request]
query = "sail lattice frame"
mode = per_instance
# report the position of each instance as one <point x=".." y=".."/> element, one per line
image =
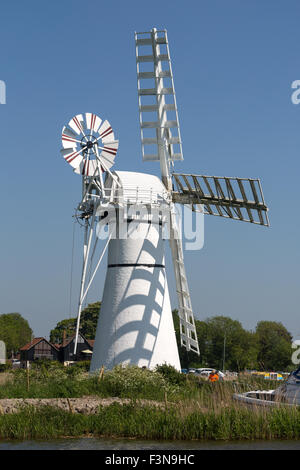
<point x="230" y="197"/>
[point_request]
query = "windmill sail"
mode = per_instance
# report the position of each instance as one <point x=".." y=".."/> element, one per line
<point x="159" y="122"/>
<point x="188" y="334"/>
<point x="161" y="141"/>
<point x="234" y="198"/>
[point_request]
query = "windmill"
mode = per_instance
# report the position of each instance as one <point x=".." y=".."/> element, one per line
<point x="136" y="324"/>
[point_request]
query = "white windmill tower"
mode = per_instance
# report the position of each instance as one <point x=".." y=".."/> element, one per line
<point x="135" y="324"/>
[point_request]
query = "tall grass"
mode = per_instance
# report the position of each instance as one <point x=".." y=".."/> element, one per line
<point x="233" y="423"/>
<point x="124" y="382"/>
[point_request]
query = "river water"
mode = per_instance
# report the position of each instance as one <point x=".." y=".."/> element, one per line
<point x="132" y="444"/>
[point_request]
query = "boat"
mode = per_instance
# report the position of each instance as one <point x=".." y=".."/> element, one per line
<point x="287" y="394"/>
<point x="271" y="375"/>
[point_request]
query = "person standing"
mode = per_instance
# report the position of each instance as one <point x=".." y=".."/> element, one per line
<point x="213" y="376"/>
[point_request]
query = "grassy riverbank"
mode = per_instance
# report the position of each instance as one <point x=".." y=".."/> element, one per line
<point x="190" y="409"/>
<point x="149" y="422"/>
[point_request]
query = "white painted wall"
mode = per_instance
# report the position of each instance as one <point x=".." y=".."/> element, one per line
<point x="136" y="324"/>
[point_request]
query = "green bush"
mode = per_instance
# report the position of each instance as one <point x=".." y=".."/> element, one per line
<point x="134" y="382"/>
<point x="171" y="374"/>
<point x="77" y="367"/>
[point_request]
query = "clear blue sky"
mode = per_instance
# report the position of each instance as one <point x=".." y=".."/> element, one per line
<point x="233" y="65"/>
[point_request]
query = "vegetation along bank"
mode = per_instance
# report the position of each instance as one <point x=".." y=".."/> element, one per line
<point x="160" y="404"/>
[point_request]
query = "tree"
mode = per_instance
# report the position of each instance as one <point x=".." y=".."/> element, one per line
<point x="89" y="320"/>
<point x="14" y="331"/>
<point x="88" y="324"/>
<point x="274" y="345"/>
<point x="240" y="345"/>
<point x="68" y="326"/>
<point x="225" y="333"/>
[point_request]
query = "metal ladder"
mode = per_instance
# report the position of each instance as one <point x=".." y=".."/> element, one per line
<point x="157" y="96"/>
<point x="188" y="335"/>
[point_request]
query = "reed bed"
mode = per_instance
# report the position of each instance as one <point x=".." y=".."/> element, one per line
<point x="173" y="423"/>
<point x="191" y="408"/>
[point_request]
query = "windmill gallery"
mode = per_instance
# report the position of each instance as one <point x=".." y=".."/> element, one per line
<point x="136" y="325"/>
